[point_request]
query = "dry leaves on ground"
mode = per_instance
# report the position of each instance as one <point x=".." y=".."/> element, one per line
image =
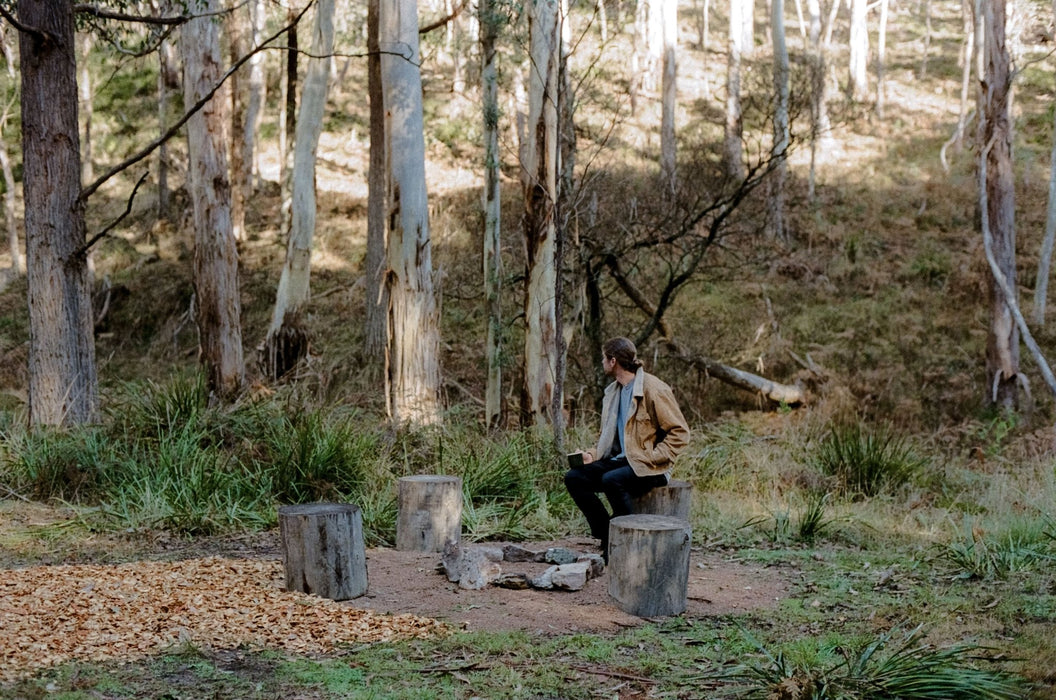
<point x="53" y="614"/>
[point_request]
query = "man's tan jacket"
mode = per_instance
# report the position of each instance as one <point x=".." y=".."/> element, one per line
<point x="656" y="431"/>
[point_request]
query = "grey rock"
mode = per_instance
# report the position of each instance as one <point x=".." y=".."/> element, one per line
<point x="516" y="553"/>
<point x="571" y="577"/>
<point x="597" y="564"/>
<point x="560" y="555"/>
<point x="545" y="580"/>
<point x="472" y="567"/>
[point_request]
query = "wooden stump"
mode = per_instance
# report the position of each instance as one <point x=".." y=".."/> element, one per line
<point x="322" y="549"/>
<point x="675" y="500"/>
<point x="430" y="513"/>
<point x="649" y="564"/>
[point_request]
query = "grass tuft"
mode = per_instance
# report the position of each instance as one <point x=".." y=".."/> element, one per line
<point x="867" y="463"/>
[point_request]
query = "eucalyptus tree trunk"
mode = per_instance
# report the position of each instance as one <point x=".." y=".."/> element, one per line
<point x="287" y="342"/>
<point x="820" y="128"/>
<point x="747" y="28"/>
<point x="539" y="171"/>
<point x="858" y="52"/>
<point x="287" y="118"/>
<point x="1002" y="347"/>
<point x="669" y="95"/>
<point x="63" y="388"/>
<point x="413" y="366"/>
<point x="234" y="25"/>
<point x="256" y="93"/>
<point x="734" y="122"/>
<point x="881" y="50"/>
<point x="217" y="303"/>
<point x="84" y="104"/>
<point x="376" y="318"/>
<point x="9" y="207"/>
<point x="1045" y="259"/>
<point x="490" y="23"/>
<point x="781" y="125"/>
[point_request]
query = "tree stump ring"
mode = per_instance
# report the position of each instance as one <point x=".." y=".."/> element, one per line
<point x="649" y="564"/>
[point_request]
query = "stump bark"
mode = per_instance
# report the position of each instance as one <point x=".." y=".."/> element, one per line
<point x="429" y="513"/>
<point x="675" y="500"/>
<point x="649" y="564"/>
<point x="322" y="549"/>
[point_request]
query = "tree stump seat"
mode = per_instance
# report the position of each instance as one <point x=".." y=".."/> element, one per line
<point x="429" y="513"/>
<point x="674" y="500"/>
<point x="322" y="549"/>
<point x="649" y="564"/>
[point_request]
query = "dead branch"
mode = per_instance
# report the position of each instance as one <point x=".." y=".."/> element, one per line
<point x="787" y="394"/>
<point x="443" y="20"/>
<point x="113" y="224"/>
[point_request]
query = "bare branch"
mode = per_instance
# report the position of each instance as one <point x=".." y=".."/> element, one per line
<point x="444" y="20"/>
<point x="41" y="35"/>
<point x="102" y="13"/>
<point x="153" y="145"/>
<point x="113" y="224"/>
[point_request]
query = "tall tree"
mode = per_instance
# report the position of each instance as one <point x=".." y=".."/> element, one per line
<point x="881" y="57"/>
<point x="539" y="174"/>
<point x="490" y="24"/>
<point x="734" y="157"/>
<point x="669" y="94"/>
<point x="412" y="361"/>
<point x="376" y="318"/>
<point x="256" y="92"/>
<point x="782" y="135"/>
<point x="287" y="341"/>
<point x="1045" y="258"/>
<point x="63" y="387"/>
<point x="1002" y="346"/>
<point x="237" y="37"/>
<point x="858" y="52"/>
<point x="217" y="303"/>
<point x="5" y="161"/>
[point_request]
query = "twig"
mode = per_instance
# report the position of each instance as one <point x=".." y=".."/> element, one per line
<point x="614" y="674"/>
<point x="14" y="493"/>
<point x="101" y="13"/>
<point x="443" y="20"/>
<point x="153" y="145"/>
<point x="128" y="209"/>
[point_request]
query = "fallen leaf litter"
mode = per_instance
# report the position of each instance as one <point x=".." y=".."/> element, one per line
<point x="53" y="614"/>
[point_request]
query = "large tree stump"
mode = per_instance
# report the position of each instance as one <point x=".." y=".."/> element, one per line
<point x="649" y="564"/>
<point x="675" y="500"/>
<point x="322" y="549"/>
<point x="430" y="513"/>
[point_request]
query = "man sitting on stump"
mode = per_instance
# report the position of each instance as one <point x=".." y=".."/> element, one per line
<point x="642" y="430"/>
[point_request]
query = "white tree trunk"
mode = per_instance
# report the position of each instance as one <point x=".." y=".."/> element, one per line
<point x="1002" y="347"/>
<point x="669" y="95"/>
<point x="237" y="33"/>
<point x="1045" y="259"/>
<point x="734" y="123"/>
<point x="539" y="167"/>
<point x="63" y="388"/>
<point x="413" y="370"/>
<point x="256" y="94"/>
<point x="9" y="208"/>
<point x="215" y="256"/>
<point x="781" y="125"/>
<point x="293" y="289"/>
<point x="747" y="28"/>
<point x="84" y="104"/>
<point x="858" y="52"/>
<point x="490" y="23"/>
<point x="881" y="50"/>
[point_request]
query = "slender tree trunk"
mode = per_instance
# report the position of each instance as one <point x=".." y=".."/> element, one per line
<point x="413" y="365"/>
<point x="669" y="96"/>
<point x="84" y="92"/>
<point x="490" y="24"/>
<point x="1045" y="259"/>
<point x="1002" y="347"/>
<point x="781" y="125"/>
<point x="287" y="119"/>
<point x="215" y="256"/>
<point x="256" y="94"/>
<point x="9" y="208"/>
<point x="236" y="37"/>
<point x="747" y="28"/>
<point x="734" y="124"/>
<point x="63" y="387"/>
<point x="539" y="162"/>
<point x="376" y="319"/>
<point x="287" y="341"/>
<point x="881" y="49"/>
<point x="858" y="52"/>
<point x="927" y="39"/>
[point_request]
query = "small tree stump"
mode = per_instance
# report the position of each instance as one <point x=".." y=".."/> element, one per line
<point x="675" y="500"/>
<point x="322" y="549"/>
<point x="429" y="513"/>
<point x="649" y="564"/>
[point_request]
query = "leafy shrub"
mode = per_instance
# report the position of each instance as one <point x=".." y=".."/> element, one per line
<point x="867" y="462"/>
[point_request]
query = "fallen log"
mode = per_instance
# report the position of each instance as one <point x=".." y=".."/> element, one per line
<point x="788" y="394"/>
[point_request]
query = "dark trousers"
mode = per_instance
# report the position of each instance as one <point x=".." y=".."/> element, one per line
<point x="613" y="477"/>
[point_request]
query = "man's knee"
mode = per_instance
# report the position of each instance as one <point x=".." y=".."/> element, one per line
<point x="574" y="479"/>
